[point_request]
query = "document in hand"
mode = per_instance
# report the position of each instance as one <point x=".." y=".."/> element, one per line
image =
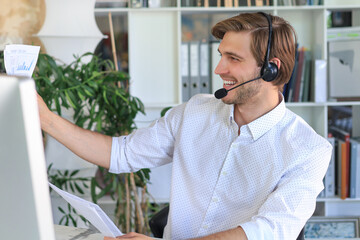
<point x="20" y="59"/>
<point x="92" y="212"/>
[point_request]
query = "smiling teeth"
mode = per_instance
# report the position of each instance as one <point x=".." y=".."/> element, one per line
<point x="229" y="83"/>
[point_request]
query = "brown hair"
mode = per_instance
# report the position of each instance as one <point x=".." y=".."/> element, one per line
<point x="282" y="43"/>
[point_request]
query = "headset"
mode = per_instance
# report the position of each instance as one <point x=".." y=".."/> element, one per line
<point x="269" y="70"/>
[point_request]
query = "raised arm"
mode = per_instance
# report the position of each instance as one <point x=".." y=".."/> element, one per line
<point x="91" y="146"/>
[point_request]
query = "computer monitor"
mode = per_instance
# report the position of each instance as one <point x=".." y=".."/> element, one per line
<point x="25" y="208"/>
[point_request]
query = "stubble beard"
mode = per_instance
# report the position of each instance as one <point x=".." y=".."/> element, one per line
<point x="244" y="93"/>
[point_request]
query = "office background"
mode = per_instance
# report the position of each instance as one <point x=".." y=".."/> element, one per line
<point x="166" y="48"/>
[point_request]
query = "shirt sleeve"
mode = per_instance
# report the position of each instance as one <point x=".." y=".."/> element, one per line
<point x="291" y="204"/>
<point x="147" y="147"/>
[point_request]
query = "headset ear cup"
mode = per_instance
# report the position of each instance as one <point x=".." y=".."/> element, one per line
<point x="269" y="72"/>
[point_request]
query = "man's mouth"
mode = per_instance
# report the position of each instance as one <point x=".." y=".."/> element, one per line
<point x="229" y="83"/>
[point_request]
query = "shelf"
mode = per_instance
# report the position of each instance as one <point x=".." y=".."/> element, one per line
<point x="347" y="7"/>
<point x="325" y="104"/>
<point x="342" y="103"/>
<point x="303" y="7"/>
<point x="155" y="37"/>
<point x="338" y="200"/>
<point x="304" y="104"/>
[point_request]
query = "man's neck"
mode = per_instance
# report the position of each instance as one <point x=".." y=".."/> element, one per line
<point x="255" y="108"/>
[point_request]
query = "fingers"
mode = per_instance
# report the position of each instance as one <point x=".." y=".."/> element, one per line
<point x="125" y="236"/>
<point x="131" y="235"/>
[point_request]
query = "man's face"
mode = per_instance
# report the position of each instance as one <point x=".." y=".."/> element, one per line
<point x="238" y="65"/>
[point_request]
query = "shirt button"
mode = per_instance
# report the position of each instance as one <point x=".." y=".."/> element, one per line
<point x="205" y="227"/>
<point x="215" y="200"/>
<point x="224" y="173"/>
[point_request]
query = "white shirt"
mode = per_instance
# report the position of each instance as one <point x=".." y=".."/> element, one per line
<point x="265" y="180"/>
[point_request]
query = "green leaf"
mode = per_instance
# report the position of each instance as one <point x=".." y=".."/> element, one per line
<point x="74" y="173"/>
<point x="61" y="210"/>
<point x="104" y="191"/>
<point x="80" y="94"/>
<point x="78" y="188"/>
<point x="62" y="219"/>
<point x="92" y="190"/>
<point x="72" y="186"/>
<point x="67" y="93"/>
<point x="105" y="97"/>
<point x="89" y="91"/>
<point x="83" y="219"/>
<point x="73" y="220"/>
<point x="57" y="105"/>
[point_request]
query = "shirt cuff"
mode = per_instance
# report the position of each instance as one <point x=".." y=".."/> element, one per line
<point x="257" y="230"/>
<point x="118" y="163"/>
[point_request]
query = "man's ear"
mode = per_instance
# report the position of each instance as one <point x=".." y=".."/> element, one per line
<point x="276" y="61"/>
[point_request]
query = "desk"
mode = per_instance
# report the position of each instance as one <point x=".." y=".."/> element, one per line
<point x="73" y="233"/>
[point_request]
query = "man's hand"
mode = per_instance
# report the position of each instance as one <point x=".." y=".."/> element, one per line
<point x="43" y="110"/>
<point x="132" y="235"/>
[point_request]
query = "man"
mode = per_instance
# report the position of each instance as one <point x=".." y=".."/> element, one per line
<point x="243" y="167"/>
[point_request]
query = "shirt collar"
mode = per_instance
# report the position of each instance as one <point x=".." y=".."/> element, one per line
<point x="263" y="124"/>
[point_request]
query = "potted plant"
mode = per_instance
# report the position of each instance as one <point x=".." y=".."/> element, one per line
<point x="101" y="101"/>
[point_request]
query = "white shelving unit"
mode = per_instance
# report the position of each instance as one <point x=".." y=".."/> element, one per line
<point x="155" y="36"/>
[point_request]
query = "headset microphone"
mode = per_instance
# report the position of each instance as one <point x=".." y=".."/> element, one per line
<point x="269" y="70"/>
<point x="222" y="92"/>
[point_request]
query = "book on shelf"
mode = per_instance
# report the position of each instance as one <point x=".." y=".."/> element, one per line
<point x="205" y="84"/>
<point x="211" y="3"/>
<point x="305" y="78"/>
<point x="299" y="86"/>
<point x="241" y="3"/>
<point x="188" y="3"/>
<point x="290" y="85"/>
<point x="298" y="2"/>
<point x="343" y="160"/>
<point x="319" y="86"/>
<point x="343" y="166"/>
<point x="329" y="179"/>
<point x="299" y="75"/>
<point x="287" y="86"/>
<point x="194" y="68"/>
<point x="185" y="71"/>
<point x="216" y="81"/>
<point x="305" y="90"/>
<point x="355" y="168"/>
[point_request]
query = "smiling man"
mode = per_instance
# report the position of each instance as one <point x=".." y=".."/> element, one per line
<point x="243" y="167"/>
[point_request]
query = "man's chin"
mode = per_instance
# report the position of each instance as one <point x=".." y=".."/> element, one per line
<point x="226" y="101"/>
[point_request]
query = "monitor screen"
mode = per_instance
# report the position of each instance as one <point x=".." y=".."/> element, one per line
<point x="25" y="208"/>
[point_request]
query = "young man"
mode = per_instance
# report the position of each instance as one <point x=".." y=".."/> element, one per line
<point x="243" y="167"/>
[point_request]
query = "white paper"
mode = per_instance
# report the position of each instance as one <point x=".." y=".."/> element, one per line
<point x="20" y="59"/>
<point x="92" y="212"/>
